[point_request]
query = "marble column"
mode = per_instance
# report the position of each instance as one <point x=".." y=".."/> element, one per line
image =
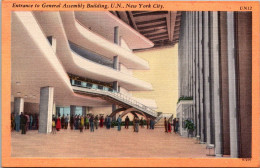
<point x="46" y="109"/>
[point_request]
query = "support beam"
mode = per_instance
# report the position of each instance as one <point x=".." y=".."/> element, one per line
<point x="46" y="108"/>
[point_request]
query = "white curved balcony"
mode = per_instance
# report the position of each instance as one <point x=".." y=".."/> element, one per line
<point x="104" y="23"/>
<point x="81" y="35"/>
<point x="74" y="64"/>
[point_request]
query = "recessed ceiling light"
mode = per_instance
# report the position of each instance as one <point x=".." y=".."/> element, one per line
<point x="18" y="83"/>
<point x="25" y="96"/>
<point x="18" y="93"/>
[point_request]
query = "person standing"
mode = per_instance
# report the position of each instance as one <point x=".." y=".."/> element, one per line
<point x="136" y="124"/>
<point x="142" y="122"/>
<point x="101" y="121"/>
<point x="177" y="125"/>
<point x="23" y="123"/>
<point x="91" y="121"/>
<point x="165" y="124"/>
<point x="152" y="123"/>
<point x="169" y="126"/>
<point x="81" y="123"/>
<point x="66" y="121"/>
<point x="173" y="125"/>
<point x="12" y="122"/>
<point x="119" y="120"/>
<point x="148" y="122"/>
<point x="53" y="126"/>
<point x="27" y="122"/>
<point x="62" y="122"/>
<point x="71" y="122"/>
<point x="126" y="122"/>
<point x="86" y="121"/>
<point x="17" y="122"/>
<point x="96" y="121"/>
<point x="108" y="122"/>
<point x="58" y="124"/>
<point x="31" y="121"/>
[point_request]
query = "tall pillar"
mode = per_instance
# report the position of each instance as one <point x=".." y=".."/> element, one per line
<point x="232" y="85"/>
<point x="116" y="35"/>
<point x="224" y="82"/>
<point x="201" y="81"/>
<point x="197" y="96"/>
<point x="46" y="109"/>
<point x="216" y="84"/>
<point x="193" y="67"/>
<point x="84" y="110"/>
<point x="18" y="105"/>
<point x="54" y="109"/>
<point x="115" y="62"/>
<point x="206" y="75"/>
<point x="72" y="110"/>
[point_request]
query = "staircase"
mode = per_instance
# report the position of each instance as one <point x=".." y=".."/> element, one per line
<point x="115" y="98"/>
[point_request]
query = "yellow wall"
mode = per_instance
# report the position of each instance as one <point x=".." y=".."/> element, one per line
<point x="163" y="75"/>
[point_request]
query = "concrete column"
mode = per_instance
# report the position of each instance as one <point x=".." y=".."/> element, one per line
<point x="84" y="110"/>
<point x="72" y="110"/>
<point x="201" y="82"/>
<point x="193" y="67"/>
<point x="18" y="105"/>
<point x="216" y="83"/>
<point x="197" y="96"/>
<point x="54" y="109"/>
<point x="206" y="75"/>
<point x="188" y="28"/>
<point x="116" y="35"/>
<point x="115" y="62"/>
<point x="232" y="85"/>
<point x="46" y="109"/>
<point x="224" y="83"/>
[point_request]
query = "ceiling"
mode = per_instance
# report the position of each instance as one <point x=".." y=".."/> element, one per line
<point x="161" y="27"/>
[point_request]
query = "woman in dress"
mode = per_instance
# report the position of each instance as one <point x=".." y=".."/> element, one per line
<point x="58" y="124"/>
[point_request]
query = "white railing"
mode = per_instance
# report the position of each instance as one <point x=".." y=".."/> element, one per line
<point x="118" y="96"/>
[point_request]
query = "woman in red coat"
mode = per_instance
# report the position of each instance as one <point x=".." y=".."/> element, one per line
<point x="58" y="124"/>
<point x="101" y="121"/>
<point x="169" y="126"/>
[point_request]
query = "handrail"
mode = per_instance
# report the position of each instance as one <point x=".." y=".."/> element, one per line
<point x="123" y="98"/>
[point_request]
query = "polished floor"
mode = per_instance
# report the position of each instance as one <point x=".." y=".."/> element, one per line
<point x="106" y="143"/>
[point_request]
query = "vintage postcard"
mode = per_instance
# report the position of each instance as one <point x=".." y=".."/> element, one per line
<point x="130" y="84"/>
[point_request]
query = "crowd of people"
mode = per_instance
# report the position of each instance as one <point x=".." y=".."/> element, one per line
<point x="27" y="122"/>
<point x="171" y="126"/>
<point x="24" y="122"/>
